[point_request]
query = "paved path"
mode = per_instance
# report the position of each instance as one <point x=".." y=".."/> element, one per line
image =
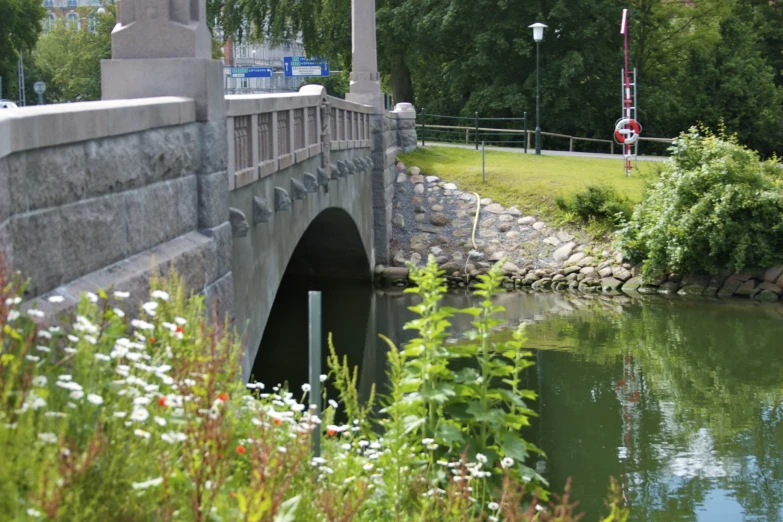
<point x="594" y="155"/>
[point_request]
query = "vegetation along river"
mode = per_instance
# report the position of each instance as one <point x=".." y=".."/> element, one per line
<point x="680" y="400"/>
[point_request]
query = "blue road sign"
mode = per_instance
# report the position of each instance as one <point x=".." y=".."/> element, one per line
<point x="301" y="66"/>
<point x="251" y="72"/>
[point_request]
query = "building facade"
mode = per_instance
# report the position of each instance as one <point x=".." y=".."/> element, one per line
<point x="75" y="13"/>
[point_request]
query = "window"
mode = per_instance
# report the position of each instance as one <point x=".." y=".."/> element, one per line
<point x="92" y="22"/>
<point x="49" y="23"/>
<point x="48" y="3"/>
<point x="72" y="20"/>
<point x="71" y="3"/>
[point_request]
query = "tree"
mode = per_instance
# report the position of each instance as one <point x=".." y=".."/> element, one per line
<point x="70" y="58"/>
<point x="20" y="25"/>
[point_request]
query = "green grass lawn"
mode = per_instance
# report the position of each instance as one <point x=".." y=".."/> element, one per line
<point x="528" y="181"/>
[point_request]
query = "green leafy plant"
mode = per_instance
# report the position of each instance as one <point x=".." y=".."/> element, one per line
<point x="715" y="206"/>
<point x="108" y="418"/>
<point x="597" y="202"/>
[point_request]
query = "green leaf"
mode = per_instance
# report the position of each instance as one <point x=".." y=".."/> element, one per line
<point x="466" y="375"/>
<point x="288" y="509"/>
<point x="514" y="447"/>
<point x="448" y="434"/>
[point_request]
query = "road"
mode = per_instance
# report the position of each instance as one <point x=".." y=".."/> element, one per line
<point x="594" y="155"/>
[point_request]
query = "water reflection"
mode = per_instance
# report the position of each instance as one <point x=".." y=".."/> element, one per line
<point x="681" y="400"/>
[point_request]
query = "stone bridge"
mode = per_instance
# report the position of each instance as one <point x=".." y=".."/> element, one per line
<point x="167" y="172"/>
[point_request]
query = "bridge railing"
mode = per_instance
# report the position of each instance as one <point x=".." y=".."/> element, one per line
<point x="270" y="132"/>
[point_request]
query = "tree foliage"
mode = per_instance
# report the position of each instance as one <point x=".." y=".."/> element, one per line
<point x="69" y="59"/>
<point x="20" y="25"/>
<point x="702" y="60"/>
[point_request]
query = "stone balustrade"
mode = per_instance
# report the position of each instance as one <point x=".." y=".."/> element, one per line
<point x="270" y="132"/>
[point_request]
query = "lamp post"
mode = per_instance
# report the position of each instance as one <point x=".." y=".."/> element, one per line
<point x="538" y="35"/>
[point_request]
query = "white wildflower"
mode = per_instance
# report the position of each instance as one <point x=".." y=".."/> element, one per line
<point x="333" y="404"/>
<point x="102" y="357"/>
<point x="306" y="388"/>
<point x="44" y="334"/>
<point x="13" y="315"/>
<point x="48" y="438"/>
<point x="480" y="457"/>
<point x="493" y="506"/>
<point x="35" y="312"/>
<point x="149" y="307"/>
<point x="91" y="297"/>
<point x="69" y="350"/>
<point x="507" y="462"/>
<point x="42" y="348"/>
<point x="368" y="466"/>
<point x="13" y="301"/>
<point x="180" y="321"/>
<point x="142" y="325"/>
<point x="33" y="358"/>
<point x="121" y="295"/>
<point x="160" y="421"/>
<point x="33" y="513"/>
<point x="56" y="299"/>
<point x="95" y="398"/>
<point x="118" y="312"/>
<point x="90" y="339"/>
<point x="141" y="433"/>
<point x="160" y="294"/>
<point x="73" y="338"/>
<point x="323" y="378"/>
<point x="38" y="403"/>
<point x="120" y="414"/>
<point x="140" y="414"/>
<point x="141" y="401"/>
<point x="77" y="394"/>
<point x="151" y="483"/>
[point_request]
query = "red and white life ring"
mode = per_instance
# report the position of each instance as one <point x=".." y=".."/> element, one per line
<point x="627" y="131"/>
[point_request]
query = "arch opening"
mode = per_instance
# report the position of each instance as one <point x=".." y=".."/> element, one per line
<point x="330" y="258"/>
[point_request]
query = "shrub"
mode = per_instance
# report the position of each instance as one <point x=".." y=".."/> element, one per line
<point x="104" y="419"/>
<point x="715" y="206"/>
<point x="597" y="202"/>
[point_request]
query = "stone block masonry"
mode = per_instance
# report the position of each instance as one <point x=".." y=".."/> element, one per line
<point x="133" y="192"/>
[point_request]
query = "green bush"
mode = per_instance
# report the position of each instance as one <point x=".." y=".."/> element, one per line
<point x="597" y="202"/>
<point x="715" y="206"/>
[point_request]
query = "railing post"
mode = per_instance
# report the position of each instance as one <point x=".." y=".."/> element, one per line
<point x="467" y="133"/>
<point x="475" y="116"/>
<point x="571" y="144"/>
<point x="611" y="147"/>
<point x="526" y="140"/>
<point x="423" y="127"/>
<point x="527" y="144"/>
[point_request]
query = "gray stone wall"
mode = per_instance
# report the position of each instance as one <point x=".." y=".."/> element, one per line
<point x="392" y="134"/>
<point x="108" y="211"/>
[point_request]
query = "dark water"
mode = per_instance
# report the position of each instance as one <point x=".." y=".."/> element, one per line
<point x="681" y="401"/>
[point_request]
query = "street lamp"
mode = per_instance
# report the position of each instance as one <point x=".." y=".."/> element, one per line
<point x="538" y="35"/>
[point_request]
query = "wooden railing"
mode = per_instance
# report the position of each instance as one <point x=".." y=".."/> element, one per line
<point x="528" y="133"/>
<point x="270" y="132"/>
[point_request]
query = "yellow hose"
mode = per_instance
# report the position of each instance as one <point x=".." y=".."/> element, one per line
<point x="475" y="221"/>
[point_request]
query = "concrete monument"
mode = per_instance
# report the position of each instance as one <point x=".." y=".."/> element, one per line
<point x="164" y="48"/>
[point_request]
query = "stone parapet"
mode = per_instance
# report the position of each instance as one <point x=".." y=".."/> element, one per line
<point x="51" y="125"/>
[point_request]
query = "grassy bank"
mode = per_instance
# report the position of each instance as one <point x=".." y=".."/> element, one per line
<point x="528" y="181"/>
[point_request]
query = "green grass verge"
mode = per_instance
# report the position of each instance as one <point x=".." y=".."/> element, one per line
<point x="528" y="181"/>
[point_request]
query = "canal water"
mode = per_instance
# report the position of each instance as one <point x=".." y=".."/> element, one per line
<point x="680" y="400"/>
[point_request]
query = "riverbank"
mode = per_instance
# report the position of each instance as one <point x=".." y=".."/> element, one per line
<point x="433" y="216"/>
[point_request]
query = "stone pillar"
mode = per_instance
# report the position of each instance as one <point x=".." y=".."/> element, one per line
<point x="365" y="79"/>
<point x="164" y="48"/>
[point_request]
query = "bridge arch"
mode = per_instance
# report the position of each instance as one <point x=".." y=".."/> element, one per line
<point x="330" y="258"/>
<point x="326" y="235"/>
